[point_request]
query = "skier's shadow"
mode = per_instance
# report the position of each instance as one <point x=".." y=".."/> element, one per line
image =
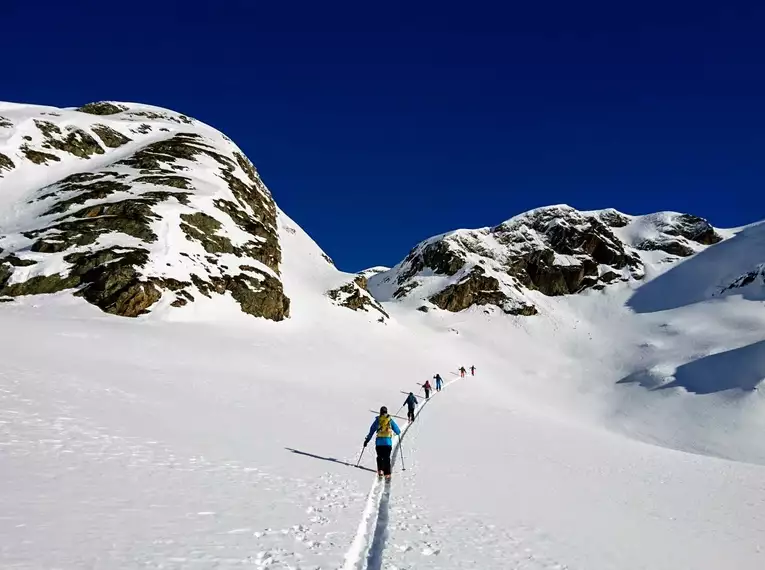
<point x="332" y="459"/>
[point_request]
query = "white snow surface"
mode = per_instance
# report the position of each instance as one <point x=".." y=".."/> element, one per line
<point x="618" y="430"/>
<point x="144" y="443"/>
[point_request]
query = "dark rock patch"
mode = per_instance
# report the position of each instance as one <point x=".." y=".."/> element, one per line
<point x="97" y="190"/>
<point x="354" y="296"/>
<point x="102" y="108"/>
<point x="202" y="228"/>
<point x="76" y="142"/>
<point x="6" y="163"/>
<point x="670" y="246"/>
<point x="36" y="156"/>
<point x="182" y="182"/>
<point x="110" y="137"/>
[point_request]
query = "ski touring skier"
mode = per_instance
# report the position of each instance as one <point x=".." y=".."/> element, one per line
<point x="462" y="371"/>
<point x="427" y="387"/>
<point x="472" y="370"/>
<point x="439" y="382"/>
<point x="385" y="427"/>
<point x="410" y="403"/>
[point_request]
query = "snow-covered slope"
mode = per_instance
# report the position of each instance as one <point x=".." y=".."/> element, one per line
<point x="614" y="421"/>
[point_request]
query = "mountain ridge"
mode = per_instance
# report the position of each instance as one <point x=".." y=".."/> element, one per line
<point x="628" y="405"/>
<point x="136" y="208"/>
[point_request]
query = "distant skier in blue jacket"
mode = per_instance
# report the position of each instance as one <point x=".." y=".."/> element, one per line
<point x="410" y="403"/>
<point x="385" y="428"/>
<point x="439" y="382"/>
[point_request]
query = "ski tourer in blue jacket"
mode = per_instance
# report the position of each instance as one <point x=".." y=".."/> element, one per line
<point x="385" y="426"/>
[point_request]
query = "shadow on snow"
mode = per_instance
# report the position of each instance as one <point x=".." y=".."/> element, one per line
<point x="704" y="275"/>
<point x="741" y="368"/>
<point x="332" y="459"/>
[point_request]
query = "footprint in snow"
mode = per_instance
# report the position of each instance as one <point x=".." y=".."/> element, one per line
<point x="429" y="551"/>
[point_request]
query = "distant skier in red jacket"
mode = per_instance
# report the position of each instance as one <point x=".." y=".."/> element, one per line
<point x="427" y="387"/>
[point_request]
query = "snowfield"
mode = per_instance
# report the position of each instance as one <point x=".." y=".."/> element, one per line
<point x="153" y="444"/>
<point x="617" y="429"/>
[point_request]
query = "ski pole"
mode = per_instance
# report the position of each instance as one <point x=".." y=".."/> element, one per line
<point x="360" y="455"/>
<point x="401" y="449"/>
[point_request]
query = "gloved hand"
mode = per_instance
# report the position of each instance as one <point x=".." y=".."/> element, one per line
<point x="366" y="442"/>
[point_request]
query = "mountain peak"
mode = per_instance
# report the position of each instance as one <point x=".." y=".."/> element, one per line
<point x="133" y="206"/>
<point x="548" y="251"/>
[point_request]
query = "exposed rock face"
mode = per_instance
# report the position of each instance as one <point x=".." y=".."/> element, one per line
<point x="551" y="251"/>
<point x="355" y="296"/>
<point x="6" y="163"/>
<point x="559" y="251"/>
<point x="172" y="221"/>
<point x="754" y="277"/>
<point x="613" y="218"/>
<point x="679" y="234"/>
<point x="110" y="137"/>
<point x="479" y="289"/>
<point x="102" y="108"/>
<point x="670" y="246"/>
<point x="695" y="229"/>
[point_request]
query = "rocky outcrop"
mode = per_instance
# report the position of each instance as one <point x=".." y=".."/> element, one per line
<point x="355" y="296"/>
<point x="569" y="251"/>
<point x="73" y="140"/>
<point x="110" y="137"/>
<point x="152" y="226"/>
<point x="102" y="108"/>
<point x="479" y="289"/>
<point x="552" y="251"/>
<point x="670" y="246"/>
<point x="693" y="228"/>
<point x="679" y="235"/>
<point x="6" y="163"/>
<point x="613" y="218"/>
<point x="754" y="277"/>
<point x="437" y="256"/>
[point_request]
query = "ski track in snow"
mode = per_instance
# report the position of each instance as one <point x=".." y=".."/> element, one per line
<point x="387" y="516"/>
<point x="366" y="552"/>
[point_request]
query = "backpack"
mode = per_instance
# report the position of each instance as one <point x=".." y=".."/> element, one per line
<point x="384" y="429"/>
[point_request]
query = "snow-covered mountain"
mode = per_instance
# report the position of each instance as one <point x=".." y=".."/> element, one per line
<point x="134" y="207"/>
<point x="550" y="251"/>
<point x="615" y="419"/>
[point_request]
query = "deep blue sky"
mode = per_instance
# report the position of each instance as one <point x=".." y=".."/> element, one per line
<point x="378" y="124"/>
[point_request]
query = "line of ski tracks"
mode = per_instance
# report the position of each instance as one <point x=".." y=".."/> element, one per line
<point x="366" y="552"/>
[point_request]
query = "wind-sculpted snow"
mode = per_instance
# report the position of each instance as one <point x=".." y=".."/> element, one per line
<point x="736" y="369"/>
<point x="729" y="268"/>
